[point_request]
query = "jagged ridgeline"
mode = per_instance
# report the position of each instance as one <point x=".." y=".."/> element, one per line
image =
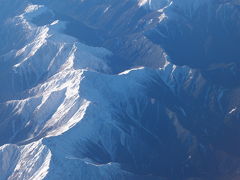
<point x="119" y="90"/>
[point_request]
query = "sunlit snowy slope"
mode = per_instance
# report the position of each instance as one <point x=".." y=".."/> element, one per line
<point x="119" y="90"/>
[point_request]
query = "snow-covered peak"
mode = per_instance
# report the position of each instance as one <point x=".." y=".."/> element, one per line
<point x="154" y="4"/>
<point x="65" y="115"/>
<point x="45" y="76"/>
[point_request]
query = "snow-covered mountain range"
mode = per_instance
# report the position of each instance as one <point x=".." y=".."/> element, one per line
<point x="119" y="90"/>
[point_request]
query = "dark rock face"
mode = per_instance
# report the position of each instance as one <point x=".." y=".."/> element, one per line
<point x="211" y="33"/>
<point x="206" y="38"/>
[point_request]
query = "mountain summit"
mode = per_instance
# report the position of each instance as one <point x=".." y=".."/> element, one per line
<point x="119" y="90"/>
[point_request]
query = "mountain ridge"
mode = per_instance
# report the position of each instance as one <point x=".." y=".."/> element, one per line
<point x="120" y="103"/>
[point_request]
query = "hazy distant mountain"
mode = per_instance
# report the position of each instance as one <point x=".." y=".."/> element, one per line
<point x="119" y="90"/>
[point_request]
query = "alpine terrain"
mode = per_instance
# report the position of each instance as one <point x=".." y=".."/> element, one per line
<point x="119" y="89"/>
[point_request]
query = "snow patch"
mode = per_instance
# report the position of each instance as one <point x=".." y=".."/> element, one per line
<point x="130" y="70"/>
<point x="233" y="110"/>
